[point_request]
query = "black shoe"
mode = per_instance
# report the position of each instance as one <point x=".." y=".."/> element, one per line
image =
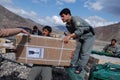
<point x="78" y="69"/>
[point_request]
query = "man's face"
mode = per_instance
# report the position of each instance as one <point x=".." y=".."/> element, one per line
<point x="65" y="18"/>
<point x="45" y="32"/>
<point x="113" y="42"/>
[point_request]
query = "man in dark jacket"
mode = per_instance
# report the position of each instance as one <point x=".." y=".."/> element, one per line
<point x="36" y="31"/>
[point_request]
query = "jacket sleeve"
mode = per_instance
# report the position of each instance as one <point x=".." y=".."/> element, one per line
<point x="80" y="30"/>
<point x="9" y="32"/>
<point x="81" y="26"/>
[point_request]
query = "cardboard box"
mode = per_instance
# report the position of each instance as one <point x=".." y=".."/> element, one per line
<point x="44" y="50"/>
<point x="2" y="47"/>
<point x="100" y="59"/>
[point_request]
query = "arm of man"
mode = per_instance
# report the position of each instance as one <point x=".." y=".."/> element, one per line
<point x="12" y="31"/>
<point x="67" y="38"/>
<point x="105" y="48"/>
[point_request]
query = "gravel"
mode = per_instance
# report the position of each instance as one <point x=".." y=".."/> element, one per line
<point x="9" y="68"/>
<point x="14" y="71"/>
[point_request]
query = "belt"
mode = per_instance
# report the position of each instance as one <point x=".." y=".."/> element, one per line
<point x="89" y="30"/>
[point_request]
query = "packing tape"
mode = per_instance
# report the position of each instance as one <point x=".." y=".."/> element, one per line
<point x="42" y="59"/>
<point x="27" y="46"/>
<point x="43" y="47"/>
<point x="61" y="53"/>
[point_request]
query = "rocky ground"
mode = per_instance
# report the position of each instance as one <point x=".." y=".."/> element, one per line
<point x="14" y="71"/>
<point x="10" y="69"/>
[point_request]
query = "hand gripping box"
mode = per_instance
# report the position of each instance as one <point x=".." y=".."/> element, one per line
<point x="43" y="50"/>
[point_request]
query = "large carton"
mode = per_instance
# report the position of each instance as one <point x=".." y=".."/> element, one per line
<point x="2" y="47"/>
<point x="43" y="50"/>
<point x="100" y="59"/>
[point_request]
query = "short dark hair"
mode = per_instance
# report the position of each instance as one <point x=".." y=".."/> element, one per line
<point x="35" y="27"/>
<point x="65" y="11"/>
<point x="114" y="40"/>
<point x="48" y="28"/>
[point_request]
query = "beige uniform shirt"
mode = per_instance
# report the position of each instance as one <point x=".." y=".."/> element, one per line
<point x="9" y="32"/>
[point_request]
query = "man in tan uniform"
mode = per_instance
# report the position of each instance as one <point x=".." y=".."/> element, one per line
<point x="11" y="31"/>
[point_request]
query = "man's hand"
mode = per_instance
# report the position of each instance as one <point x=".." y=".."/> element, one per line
<point x="24" y="31"/>
<point x="66" y="39"/>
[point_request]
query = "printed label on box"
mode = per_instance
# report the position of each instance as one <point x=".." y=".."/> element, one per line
<point x="35" y="52"/>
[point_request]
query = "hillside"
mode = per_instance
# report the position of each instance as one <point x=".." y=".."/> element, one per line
<point x="106" y="33"/>
<point x="10" y="19"/>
